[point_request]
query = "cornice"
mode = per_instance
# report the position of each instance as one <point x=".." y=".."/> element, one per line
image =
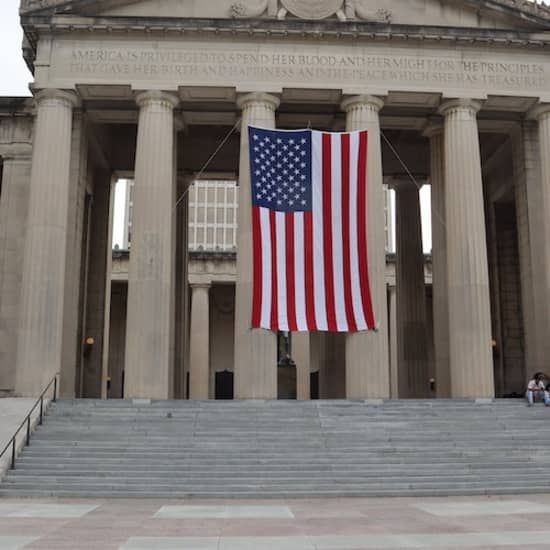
<point x="523" y="9"/>
<point x="262" y="28"/>
<point x="519" y="8"/>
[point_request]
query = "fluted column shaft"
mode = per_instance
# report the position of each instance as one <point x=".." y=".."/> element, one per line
<point x="471" y="363"/>
<point x="199" y="344"/>
<point x="392" y="325"/>
<point x="255" y="350"/>
<point x="439" y="264"/>
<point x="39" y="346"/>
<point x="367" y="353"/>
<point x="412" y="350"/>
<point x="301" y="353"/>
<point x="544" y="145"/>
<point x="530" y="218"/>
<point x="16" y="171"/>
<point x="150" y="324"/>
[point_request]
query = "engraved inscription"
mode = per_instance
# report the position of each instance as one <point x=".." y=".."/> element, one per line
<point x="234" y="67"/>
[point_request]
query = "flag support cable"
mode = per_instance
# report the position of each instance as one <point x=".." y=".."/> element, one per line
<point x="411" y="176"/>
<point x="226" y="138"/>
<point x="207" y="163"/>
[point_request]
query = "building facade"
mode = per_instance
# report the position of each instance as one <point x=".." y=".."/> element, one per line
<point x="454" y="94"/>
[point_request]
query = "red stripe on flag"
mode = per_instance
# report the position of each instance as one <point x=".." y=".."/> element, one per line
<point x="309" y="280"/>
<point x="362" y="229"/>
<point x="274" y="290"/>
<point x="327" y="232"/>
<point x="290" y="281"/>
<point x="345" y="164"/>
<point x="257" y="268"/>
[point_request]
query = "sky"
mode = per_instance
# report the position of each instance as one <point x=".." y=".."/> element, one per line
<point x="15" y="76"/>
<point x="15" y="79"/>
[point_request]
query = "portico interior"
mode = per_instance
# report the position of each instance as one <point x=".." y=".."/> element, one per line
<point x="204" y="120"/>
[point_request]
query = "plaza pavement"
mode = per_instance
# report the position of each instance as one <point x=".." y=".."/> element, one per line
<point x="519" y="522"/>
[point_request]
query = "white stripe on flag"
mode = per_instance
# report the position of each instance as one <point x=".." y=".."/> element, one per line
<point x="337" y="248"/>
<point x="265" y="317"/>
<point x="353" y="244"/>
<point x="299" y="271"/>
<point x="318" y="250"/>
<point x="281" y="270"/>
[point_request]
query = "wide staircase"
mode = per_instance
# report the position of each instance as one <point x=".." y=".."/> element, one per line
<point x="285" y="449"/>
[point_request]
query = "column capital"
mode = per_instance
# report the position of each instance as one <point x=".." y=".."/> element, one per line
<point x="269" y="100"/>
<point x="203" y="286"/>
<point x="434" y="127"/>
<point x="67" y="97"/>
<point x="157" y="96"/>
<point x="539" y="112"/>
<point x="365" y="100"/>
<point x="403" y="183"/>
<point x="460" y="104"/>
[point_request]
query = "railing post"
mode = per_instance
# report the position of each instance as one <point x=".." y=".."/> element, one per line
<point x="13" y="441"/>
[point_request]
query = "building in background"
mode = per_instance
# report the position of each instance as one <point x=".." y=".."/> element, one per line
<point x="213" y="216"/>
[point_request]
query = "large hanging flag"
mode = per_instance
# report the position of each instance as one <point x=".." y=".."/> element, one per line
<point x="309" y="229"/>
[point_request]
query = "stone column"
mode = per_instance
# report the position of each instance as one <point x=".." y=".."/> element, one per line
<point x="182" y="289"/>
<point x="541" y="305"/>
<point x="39" y="347"/>
<point x="367" y="354"/>
<point x="532" y="216"/>
<point x="412" y="353"/>
<point x="14" y="203"/>
<point x="97" y="285"/>
<point x="77" y="255"/>
<point x="105" y="393"/>
<point x="150" y="325"/>
<point x="392" y="322"/>
<point x="471" y="363"/>
<point x="439" y="262"/>
<point x="301" y="353"/>
<point x="255" y="350"/>
<point x="199" y="343"/>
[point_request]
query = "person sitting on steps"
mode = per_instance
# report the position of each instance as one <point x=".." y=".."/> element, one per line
<point x="536" y="390"/>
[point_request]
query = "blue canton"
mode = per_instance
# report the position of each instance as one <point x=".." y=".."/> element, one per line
<point x="280" y="166"/>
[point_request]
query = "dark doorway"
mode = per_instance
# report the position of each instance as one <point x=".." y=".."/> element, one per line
<point x="314" y="385"/>
<point x="224" y="385"/>
<point x="286" y="382"/>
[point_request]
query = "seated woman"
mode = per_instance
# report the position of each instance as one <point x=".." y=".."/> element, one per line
<point x="536" y="390"/>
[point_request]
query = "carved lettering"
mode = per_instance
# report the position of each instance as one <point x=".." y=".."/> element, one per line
<point x="187" y="65"/>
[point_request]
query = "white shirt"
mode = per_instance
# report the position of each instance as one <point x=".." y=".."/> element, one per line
<point x="534" y="385"/>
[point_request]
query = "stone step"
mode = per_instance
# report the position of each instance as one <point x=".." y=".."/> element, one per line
<point x="284" y="449"/>
<point x="216" y="478"/>
<point x="266" y="486"/>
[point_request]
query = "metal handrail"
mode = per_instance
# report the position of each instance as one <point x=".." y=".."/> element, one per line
<point x="13" y="441"/>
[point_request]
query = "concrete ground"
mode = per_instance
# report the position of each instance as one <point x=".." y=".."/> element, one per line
<point x="518" y="522"/>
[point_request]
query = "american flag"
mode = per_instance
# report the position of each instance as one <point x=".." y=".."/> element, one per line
<point x="310" y="269"/>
